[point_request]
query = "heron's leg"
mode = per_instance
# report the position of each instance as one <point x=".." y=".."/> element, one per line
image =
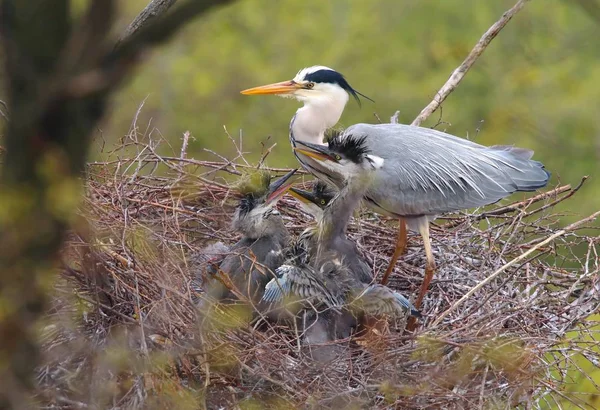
<point x="400" y="248"/>
<point x="429" y="270"/>
<point x="429" y="265"/>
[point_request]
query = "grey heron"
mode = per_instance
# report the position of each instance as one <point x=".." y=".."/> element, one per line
<point x="250" y="262"/>
<point x="425" y="172"/>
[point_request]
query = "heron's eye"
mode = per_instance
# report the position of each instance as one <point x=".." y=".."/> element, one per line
<point x="337" y="157"/>
<point x="322" y="202"/>
<point x="310" y="85"/>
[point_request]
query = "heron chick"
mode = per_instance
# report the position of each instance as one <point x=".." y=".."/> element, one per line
<point x="250" y="263"/>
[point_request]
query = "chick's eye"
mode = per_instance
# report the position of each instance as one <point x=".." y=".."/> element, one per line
<point x="310" y="85"/>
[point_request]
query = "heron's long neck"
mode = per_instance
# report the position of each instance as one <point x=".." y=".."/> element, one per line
<point x="311" y="121"/>
<point x="337" y="215"/>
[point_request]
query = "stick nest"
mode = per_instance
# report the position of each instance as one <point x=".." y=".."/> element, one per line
<point x="123" y="331"/>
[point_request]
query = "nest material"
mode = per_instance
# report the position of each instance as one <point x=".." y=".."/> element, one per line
<point x="124" y="333"/>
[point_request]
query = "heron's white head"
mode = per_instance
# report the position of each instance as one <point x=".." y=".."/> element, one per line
<point x="324" y="93"/>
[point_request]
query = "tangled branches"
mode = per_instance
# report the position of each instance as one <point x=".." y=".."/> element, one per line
<point x="123" y="330"/>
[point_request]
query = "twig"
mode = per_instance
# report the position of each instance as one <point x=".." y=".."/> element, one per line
<point x="462" y="70"/>
<point x="516" y="260"/>
<point x="184" y="145"/>
<point x="264" y="156"/>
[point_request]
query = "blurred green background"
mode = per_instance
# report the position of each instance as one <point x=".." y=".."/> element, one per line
<point x="536" y="86"/>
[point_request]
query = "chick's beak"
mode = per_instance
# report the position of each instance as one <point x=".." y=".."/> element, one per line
<point x="302" y="196"/>
<point x="279" y="187"/>
<point x="284" y="87"/>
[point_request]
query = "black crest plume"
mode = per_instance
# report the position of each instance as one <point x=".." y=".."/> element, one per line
<point x="352" y="147"/>
<point x="252" y="186"/>
<point x="333" y="77"/>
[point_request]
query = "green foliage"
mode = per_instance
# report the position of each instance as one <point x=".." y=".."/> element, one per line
<point x="582" y="378"/>
<point x="532" y="87"/>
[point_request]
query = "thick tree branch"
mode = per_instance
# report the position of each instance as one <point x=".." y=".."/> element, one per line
<point x="462" y="70"/>
<point x="117" y="64"/>
<point x="154" y="9"/>
<point x="52" y="116"/>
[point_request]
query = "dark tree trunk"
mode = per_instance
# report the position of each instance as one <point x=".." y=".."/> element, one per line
<point x="59" y="77"/>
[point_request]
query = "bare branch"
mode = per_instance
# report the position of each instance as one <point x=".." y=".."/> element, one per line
<point x="154" y="9"/>
<point x="461" y="71"/>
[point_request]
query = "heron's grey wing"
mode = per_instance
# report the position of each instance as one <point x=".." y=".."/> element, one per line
<point x="278" y="287"/>
<point x="379" y="300"/>
<point x="428" y="172"/>
<point x="299" y="281"/>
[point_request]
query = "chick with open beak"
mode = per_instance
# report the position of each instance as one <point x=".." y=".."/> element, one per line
<point x="250" y="263"/>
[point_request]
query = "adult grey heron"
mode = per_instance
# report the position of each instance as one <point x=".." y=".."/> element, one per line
<point x="250" y="262"/>
<point x="425" y="172"/>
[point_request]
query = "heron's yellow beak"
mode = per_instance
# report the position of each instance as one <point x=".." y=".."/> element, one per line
<point x="284" y="87"/>
<point x="313" y="154"/>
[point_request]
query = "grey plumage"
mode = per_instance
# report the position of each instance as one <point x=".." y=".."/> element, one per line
<point x="331" y="210"/>
<point x="379" y="300"/>
<point x="424" y="172"/>
<point x="208" y="258"/>
<point x="250" y="265"/>
<point x="326" y="275"/>
<point x="303" y="282"/>
<point x="428" y="172"/>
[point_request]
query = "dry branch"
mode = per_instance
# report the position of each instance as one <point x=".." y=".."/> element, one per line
<point x="154" y="9"/>
<point x="458" y="74"/>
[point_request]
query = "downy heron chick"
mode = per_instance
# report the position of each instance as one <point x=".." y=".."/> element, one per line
<point x="253" y="259"/>
<point x="317" y="204"/>
<point x="426" y="172"/>
<point x="314" y="202"/>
